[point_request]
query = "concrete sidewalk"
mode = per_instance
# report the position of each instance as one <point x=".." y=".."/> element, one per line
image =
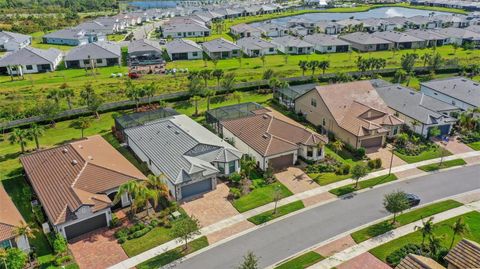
<point x="133" y="261"/>
<point x="365" y="246"/>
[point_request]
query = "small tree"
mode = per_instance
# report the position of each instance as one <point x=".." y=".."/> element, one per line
<point x="358" y="171"/>
<point x="60" y="245"/>
<point x="237" y="96"/>
<point x="395" y="203"/>
<point x="15" y="259"/>
<point x="67" y="93"/>
<point x="324" y="65"/>
<point x="458" y="228"/>
<point x="250" y="261"/>
<point x="337" y="146"/>
<point x="228" y="82"/>
<point x="303" y="66"/>
<point x="195" y="99"/>
<point x="268" y="74"/>
<point x="426" y="229"/>
<point x="26" y="230"/>
<point x="35" y="131"/>
<point x="208" y="95"/>
<point x="218" y="74"/>
<point x="186" y="229"/>
<point x="263" y="59"/>
<point x="81" y="124"/>
<point x="277" y="195"/>
<point x="19" y="136"/>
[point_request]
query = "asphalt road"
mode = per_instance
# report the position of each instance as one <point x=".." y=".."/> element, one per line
<point x="284" y="238"/>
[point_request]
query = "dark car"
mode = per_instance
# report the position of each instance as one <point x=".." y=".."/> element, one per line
<point x="413" y="199"/>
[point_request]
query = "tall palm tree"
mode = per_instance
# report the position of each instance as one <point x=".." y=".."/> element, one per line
<point x="150" y="90"/>
<point x="218" y="74"/>
<point x="209" y="94"/>
<point x="19" y="136"/>
<point x="54" y="94"/>
<point x="195" y="99"/>
<point x="131" y="188"/>
<point x="35" y="131"/>
<point x="426" y="58"/>
<point x="458" y="228"/>
<point x="312" y="65"/>
<point x="67" y="93"/>
<point x="205" y="74"/>
<point x="304" y="66"/>
<point x="158" y="186"/>
<point x="434" y="244"/>
<point x="324" y="65"/>
<point x="247" y="165"/>
<point x="426" y="229"/>
<point x="25" y="230"/>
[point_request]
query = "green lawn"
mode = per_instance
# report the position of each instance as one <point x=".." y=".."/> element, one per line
<point x="281" y="211"/>
<point x="442" y="229"/>
<point x="475" y="145"/>
<point x="260" y="196"/>
<point x="434" y="152"/>
<point x="327" y="178"/>
<point x="174" y="254"/>
<point x="37" y="42"/>
<point x="302" y="261"/>
<point x="403" y="219"/>
<point x="445" y="164"/>
<point x="116" y="37"/>
<point x="155" y="237"/>
<point x="363" y="184"/>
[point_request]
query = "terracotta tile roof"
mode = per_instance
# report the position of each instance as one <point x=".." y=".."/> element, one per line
<point x="465" y="255"/>
<point x="9" y="216"/>
<point x="413" y="261"/>
<point x="68" y="177"/>
<point x="268" y="135"/>
<point x="357" y="107"/>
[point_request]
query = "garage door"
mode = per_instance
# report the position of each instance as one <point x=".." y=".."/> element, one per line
<point x="444" y="129"/>
<point x="86" y="226"/>
<point x="372" y="142"/>
<point x="281" y="162"/>
<point x="196" y="188"/>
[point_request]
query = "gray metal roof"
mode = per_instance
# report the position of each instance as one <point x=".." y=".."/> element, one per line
<point x="291" y="41"/>
<point x="364" y="38"/>
<point x="325" y="40"/>
<point x="415" y="105"/>
<point x="180" y="147"/>
<point x="254" y="43"/>
<point x="182" y="46"/>
<point x="75" y="34"/>
<point x="143" y="45"/>
<point x="190" y="25"/>
<point x="29" y="55"/>
<point x="397" y="37"/>
<point x="426" y="34"/>
<point x="219" y="45"/>
<point x="243" y="27"/>
<point x="460" y="88"/>
<point x="13" y="37"/>
<point x="458" y="33"/>
<point x="96" y="50"/>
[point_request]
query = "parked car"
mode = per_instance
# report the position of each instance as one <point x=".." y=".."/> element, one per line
<point x="413" y="199"/>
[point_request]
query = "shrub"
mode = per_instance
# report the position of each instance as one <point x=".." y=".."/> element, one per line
<point x="167" y="224"/>
<point x="154" y="222"/>
<point x="378" y="163"/>
<point x="371" y="164"/>
<point x="121" y="240"/>
<point x="37" y="212"/>
<point x="115" y="222"/>
<point x="345" y="169"/>
<point x="235" y="193"/>
<point x="235" y="177"/>
<point x="123" y="232"/>
<point x="60" y="245"/>
<point x="137" y="227"/>
<point x="395" y="257"/>
<point x="63" y="260"/>
<point x="360" y="152"/>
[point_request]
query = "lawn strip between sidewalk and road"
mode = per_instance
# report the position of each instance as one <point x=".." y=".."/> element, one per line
<point x="281" y="211"/>
<point x="302" y="261"/>
<point x="363" y="184"/>
<point x="446" y="164"/>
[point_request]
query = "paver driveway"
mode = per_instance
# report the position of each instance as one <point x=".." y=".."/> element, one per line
<point x="211" y="207"/>
<point x="455" y="146"/>
<point x="366" y="260"/>
<point x="385" y="155"/>
<point x="97" y="249"/>
<point x="296" y="180"/>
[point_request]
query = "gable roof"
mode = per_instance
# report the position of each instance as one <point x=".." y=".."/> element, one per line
<point x="454" y="32"/>
<point x="426" y="34"/>
<point x="77" y="174"/>
<point x="243" y="27"/>
<point x="397" y="37"/>
<point x="182" y="45"/>
<point x="96" y="50"/>
<point x="254" y="43"/>
<point x="6" y="36"/>
<point x="364" y="38"/>
<point x="460" y="88"/>
<point x="10" y="217"/>
<point x="412" y="261"/>
<point x="29" y="55"/>
<point x="466" y="254"/>
<point x="269" y="135"/>
<point x="219" y="45"/>
<point x="291" y="41"/>
<point x="72" y="33"/>
<point x="143" y="45"/>
<point x="325" y="40"/>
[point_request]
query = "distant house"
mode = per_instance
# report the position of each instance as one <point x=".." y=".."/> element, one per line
<point x="350" y="25"/>
<point x="30" y="60"/>
<point x="245" y="30"/>
<point x="457" y="91"/>
<point x="431" y="38"/>
<point x="365" y="42"/>
<point x="184" y="27"/>
<point x="423" y="22"/>
<point x="300" y="31"/>
<point x="401" y="40"/>
<point x="292" y="45"/>
<point x="286" y="96"/>
<point x="465" y="255"/>
<point x="353" y="112"/>
<point x="183" y="49"/>
<point x="328" y="27"/>
<point x="273" y="29"/>
<point x="228" y="13"/>
<point x="419" y="111"/>
<point x="144" y="51"/>
<point x="76" y="183"/>
<point x="255" y="46"/>
<point x="327" y="43"/>
<point x="73" y="37"/>
<point x="377" y="24"/>
<point x="221" y="48"/>
<point x="453" y="20"/>
<point x="413" y="261"/>
<point x="10" y="41"/>
<point x="107" y="26"/>
<point x="272" y="141"/>
<point x="186" y="153"/>
<point x="10" y="218"/>
<point x="94" y="55"/>
<point x="460" y="36"/>
<point x="399" y="22"/>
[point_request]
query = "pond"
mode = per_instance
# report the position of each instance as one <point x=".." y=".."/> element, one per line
<point x="383" y="12"/>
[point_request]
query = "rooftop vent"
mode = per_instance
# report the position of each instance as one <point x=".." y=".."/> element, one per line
<point x="90" y="157"/>
<point x="265" y="136"/>
<point x="169" y="126"/>
<point x="177" y="132"/>
<point x="265" y="116"/>
<point x="64" y="150"/>
<point x="74" y="162"/>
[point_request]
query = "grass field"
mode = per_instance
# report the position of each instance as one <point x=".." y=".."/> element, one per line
<point x="475" y="145"/>
<point x="369" y="183"/>
<point x="260" y="196"/>
<point x="37" y="42"/>
<point x="432" y="153"/>
<point x="302" y="261"/>
<point x="281" y="211"/>
<point x="446" y="164"/>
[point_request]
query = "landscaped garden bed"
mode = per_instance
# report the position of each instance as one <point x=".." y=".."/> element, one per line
<point x="413" y="148"/>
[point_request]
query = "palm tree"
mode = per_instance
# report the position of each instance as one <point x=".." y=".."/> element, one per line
<point x="131" y="188"/>
<point x="275" y="83"/>
<point x="324" y="65"/>
<point x="19" y="136"/>
<point x="150" y="90"/>
<point x="195" y="99"/>
<point x="135" y="94"/>
<point x="228" y="82"/>
<point x="426" y="229"/>
<point x="54" y="94"/>
<point x="25" y="230"/>
<point x="313" y="66"/>
<point x="434" y="244"/>
<point x="400" y="75"/>
<point x="218" y="74"/>
<point x="247" y="165"/>
<point x="205" y="74"/>
<point x="458" y="228"/>
<point x="159" y="187"/>
<point x="82" y="123"/>
<point x="3" y="254"/>
<point x="426" y="58"/>
<point x="263" y="59"/>
<point x="237" y="96"/>
<point x="209" y="94"/>
<point x="304" y="66"/>
<point x="67" y="93"/>
<point x="337" y="146"/>
<point x="35" y="131"/>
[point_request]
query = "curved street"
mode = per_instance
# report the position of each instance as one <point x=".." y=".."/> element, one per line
<point x="284" y="238"/>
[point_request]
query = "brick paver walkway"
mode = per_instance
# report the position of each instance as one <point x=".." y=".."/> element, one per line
<point x="455" y="146"/>
<point x="319" y="198"/>
<point x="296" y="180"/>
<point x="229" y="231"/>
<point x="335" y="246"/>
<point x="364" y="261"/>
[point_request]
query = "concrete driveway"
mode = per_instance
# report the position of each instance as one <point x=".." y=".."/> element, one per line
<point x="385" y="155"/>
<point x="455" y="146"/>
<point x="296" y="180"/>
<point x="211" y="207"/>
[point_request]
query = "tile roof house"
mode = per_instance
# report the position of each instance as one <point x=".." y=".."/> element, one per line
<point x="327" y="43"/>
<point x="419" y="111"/>
<point x="105" y="26"/>
<point x="461" y="92"/>
<point x="144" y="51"/>
<point x="97" y="54"/>
<point x="183" y="49"/>
<point x="190" y="156"/>
<point x="353" y="111"/>
<point x="221" y="48"/>
<point x="328" y="27"/>
<point x="10" y="218"/>
<point x="271" y="141"/>
<point x="245" y="30"/>
<point x="30" y="60"/>
<point x="77" y="182"/>
<point x="465" y="255"/>
<point x="401" y="40"/>
<point x="255" y="46"/>
<point x="10" y="41"/>
<point x="412" y="261"/>
<point x="73" y="37"/>
<point x="292" y="45"/>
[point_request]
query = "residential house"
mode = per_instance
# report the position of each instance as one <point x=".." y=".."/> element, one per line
<point x="400" y="22"/>
<point x="30" y="60"/>
<point x="377" y="25"/>
<point x="457" y="91"/>
<point x="286" y="96"/>
<point x="183" y="49"/>
<point x="366" y="42"/>
<point x="465" y="255"/>
<point x="453" y="20"/>
<point x="221" y="48"/>
<point x="420" y="112"/>
<point x="423" y="22"/>
<point x="272" y="141"/>
<point x="327" y="43"/>
<point x="184" y="27"/>
<point x="300" y="31"/>
<point x="401" y="40"/>
<point x="186" y="153"/>
<point x="115" y="24"/>
<point x="328" y="27"/>
<point x="245" y="30"/>
<point x="255" y="46"/>
<point x="96" y="54"/>
<point x="460" y="36"/>
<point x="300" y="21"/>
<point x="413" y="261"/>
<point x="432" y="39"/>
<point x="76" y="183"/>
<point x="98" y="27"/>
<point x="228" y="13"/>
<point x="350" y="25"/>
<point x="73" y="37"/>
<point x="10" y="41"/>
<point x="474" y="28"/>
<point x="10" y="219"/>
<point x="144" y="51"/>
<point x="353" y="112"/>
<point x="273" y="29"/>
<point x="292" y="45"/>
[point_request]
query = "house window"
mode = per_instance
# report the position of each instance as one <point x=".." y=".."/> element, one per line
<point x="395" y="131"/>
<point x="99" y="61"/>
<point x="271" y="49"/>
<point x="195" y="54"/>
<point x="29" y="67"/>
<point x="231" y="167"/>
<point x="309" y="152"/>
<point x="5" y="244"/>
<point x="290" y="48"/>
<point x="324" y="122"/>
<point x="313" y="102"/>
<point x="453" y="102"/>
<point x="221" y="168"/>
<point x="86" y="61"/>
